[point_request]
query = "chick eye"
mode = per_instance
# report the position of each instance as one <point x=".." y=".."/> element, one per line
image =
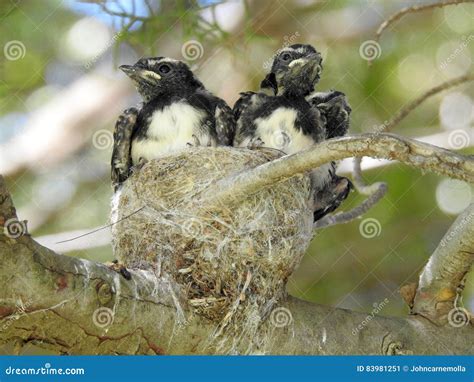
<point x="164" y="69"/>
<point x="286" y="57"/>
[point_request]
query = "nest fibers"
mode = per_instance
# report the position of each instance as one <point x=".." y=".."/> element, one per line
<point x="232" y="260"/>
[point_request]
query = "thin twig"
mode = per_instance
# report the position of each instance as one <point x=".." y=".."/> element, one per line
<point x="103" y="227"/>
<point x="413" y="9"/>
<point x="359" y="182"/>
<point x="404" y="111"/>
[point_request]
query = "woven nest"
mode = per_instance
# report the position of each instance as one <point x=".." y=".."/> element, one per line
<point x="230" y="259"/>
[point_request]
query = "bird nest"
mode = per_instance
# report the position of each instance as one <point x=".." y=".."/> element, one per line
<point x="232" y="259"/>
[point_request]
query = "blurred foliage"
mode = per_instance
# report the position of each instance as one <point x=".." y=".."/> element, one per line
<point x="342" y="267"/>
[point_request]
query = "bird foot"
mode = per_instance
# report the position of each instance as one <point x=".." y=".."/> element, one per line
<point x="195" y="142"/>
<point x="118" y="267"/>
<point x="255" y="143"/>
<point x="140" y="164"/>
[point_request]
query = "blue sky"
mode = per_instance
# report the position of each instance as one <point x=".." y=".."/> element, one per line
<point x="94" y="10"/>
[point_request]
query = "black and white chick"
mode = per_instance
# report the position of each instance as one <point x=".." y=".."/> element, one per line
<point x="287" y="114"/>
<point x="177" y="112"/>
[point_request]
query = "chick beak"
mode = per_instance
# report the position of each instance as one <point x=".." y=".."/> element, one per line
<point x="138" y="74"/>
<point x="308" y="61"/>
<point x="309" y="66"/>
<point x="129" y="70"/>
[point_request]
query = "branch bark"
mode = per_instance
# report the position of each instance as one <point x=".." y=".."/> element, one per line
<point x="74" y="306"/>
<point x="442" y="279"/>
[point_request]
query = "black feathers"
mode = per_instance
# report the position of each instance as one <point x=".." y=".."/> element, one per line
<point x="121" y="160"/>
<point x="225" y="123"/>
<point x="336" y="111"/>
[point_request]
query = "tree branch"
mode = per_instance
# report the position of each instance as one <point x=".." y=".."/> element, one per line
<point x="383" y="146"/>
<point x="442" y="279"/>
<point x="404" y="111"/>
<point x="413" y="9"/>
<point x="377" y="190"/>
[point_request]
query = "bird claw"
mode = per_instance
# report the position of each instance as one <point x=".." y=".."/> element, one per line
<point x="118" y="267"/>
<point x="141" y="162"/>
<point x="195" y="142"/>
<point x="255" y="143"/>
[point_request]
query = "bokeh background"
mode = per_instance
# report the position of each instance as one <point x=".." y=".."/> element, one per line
<point x="60" y="93"/>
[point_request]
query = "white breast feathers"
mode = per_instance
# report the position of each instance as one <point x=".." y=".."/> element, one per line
<point x="170" y="130"/>
<point x="278" y="131"/>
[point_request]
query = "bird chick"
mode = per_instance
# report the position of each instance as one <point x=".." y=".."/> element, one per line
<point x="333" y="105"/>
<point x="177" y="112"/>
<point x="287" y="115"/>
<point x="282" y="118"/>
